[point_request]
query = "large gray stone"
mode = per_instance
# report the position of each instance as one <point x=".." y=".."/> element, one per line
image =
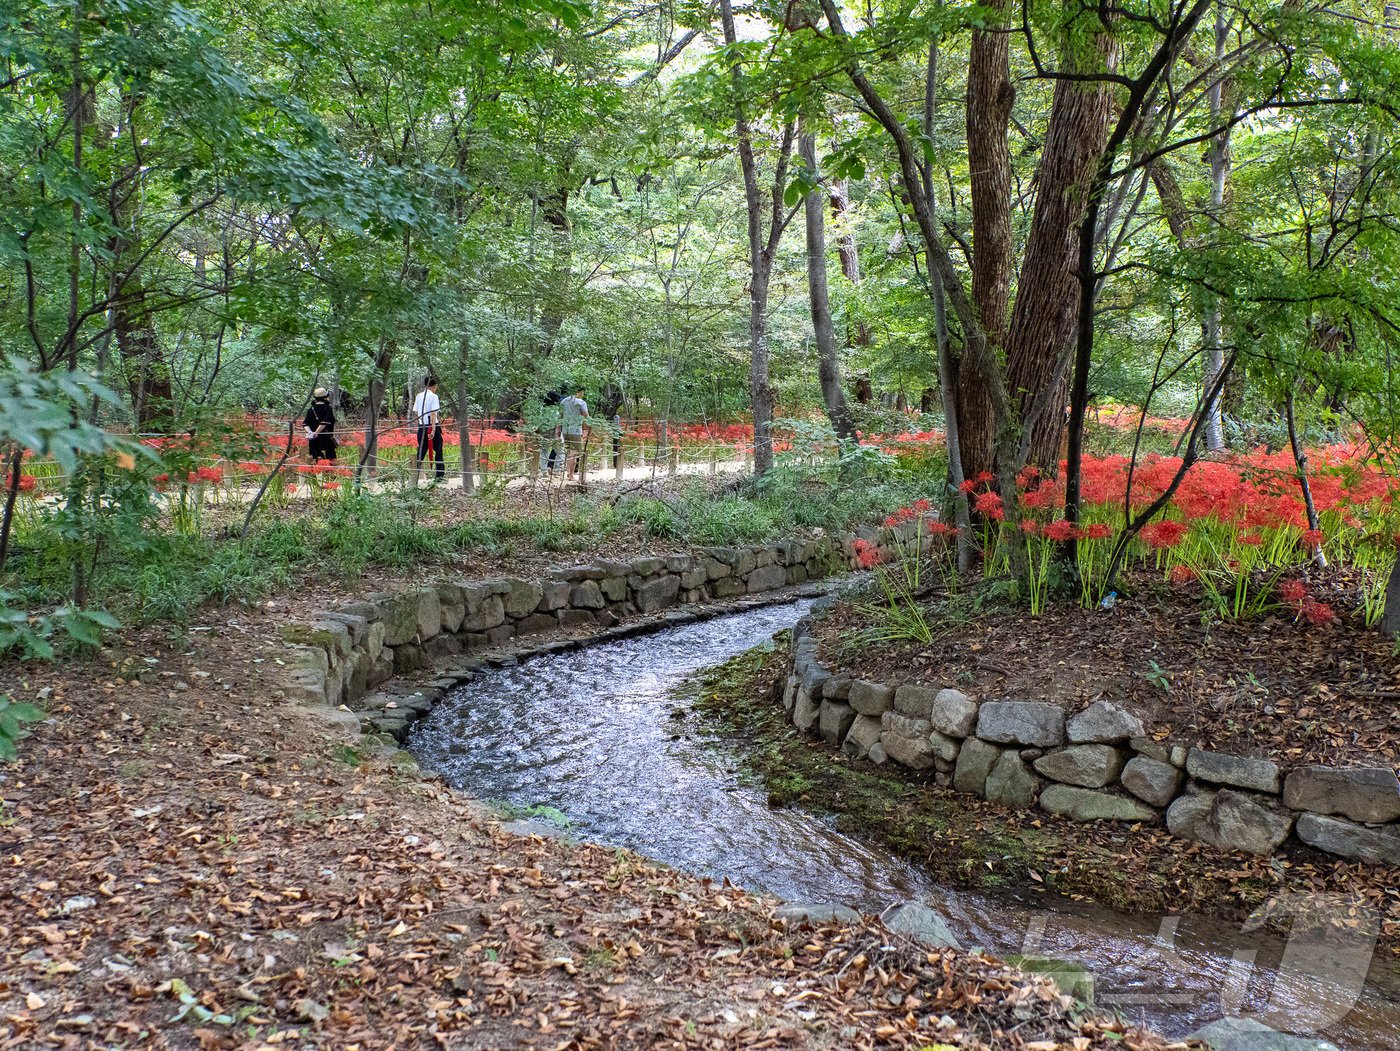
<point x="1380" y="846"/>
<point x="1010" y="782"/>
<point x="864" y="733"/>
<point x="945" y="748"/>
<point x="554" y="594"/>
<point x="1230" y="820"/>
<point x="1152" y="780"/>
<point x="1103" y="723"/>
<point x="805" y="711"/>
<point x="975" y="762"/>
<point x="921" y="924"/>
<point x="484" y="612"/>
<point x="766" y="578"/>
<point x="587" y="595"/>
<point x="648" y="566"/>
<point x="914" y="701"/>
<point x="1030" y="723"/>
<point x="954" y="713"/>
<point x="1246" y="1034"/>
<point x="355" y="625"/>
<point x="400" y="618"/>
<point x="1086" y="765"/>
<point x="427" y="609"/>
<point x="1084" y="804"/>
<point x="871" y="698"/>
<point x="835" y="721"/>
<point x="906" y="741"/>
<point x="657" y="593"/>
<point x="523" y="598"/>
<point x="1367" y="794"/>
<point x="1259" y="775"/>
<point x="374" y="639"/>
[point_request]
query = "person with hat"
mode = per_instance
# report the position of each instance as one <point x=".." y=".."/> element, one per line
<point x="320" y="427"/>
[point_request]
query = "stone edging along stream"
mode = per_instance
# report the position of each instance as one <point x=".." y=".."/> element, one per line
<point x="1098" y="764"/>
<point x="346" y="657"/>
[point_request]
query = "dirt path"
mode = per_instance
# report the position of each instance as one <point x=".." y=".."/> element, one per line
<point x="191" y="863"/>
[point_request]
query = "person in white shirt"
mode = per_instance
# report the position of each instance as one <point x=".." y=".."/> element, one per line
<point x="427" y="413"/>
<point x="573" y="411"/>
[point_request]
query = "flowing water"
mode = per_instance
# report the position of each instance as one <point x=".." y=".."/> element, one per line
<point x="590" y="733"/>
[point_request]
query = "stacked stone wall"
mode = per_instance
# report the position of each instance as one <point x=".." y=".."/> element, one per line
<point x="1098" y="764"/>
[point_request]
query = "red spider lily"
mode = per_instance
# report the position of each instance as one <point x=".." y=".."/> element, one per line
<point x="332" y="485"/>
<point x="1182" y="574"/>
<point x="990" y="505"/>
<point x="867" y="554"/>
<point x="922" y="505"/>
<point x="967" y="485"/>
<point x="942" y="529"/>
<point x="1030" y="527"/>
<point x="27" y="483"/>
<point x="985" y="478"/>
<point x="1060" y="530"/>
<point x="1312" y="538"/>
<point x="1098" y="531"/>
<point x="1293" y="591"/>
<point x="1028" y="474"/>
<point x="1048" y="495"/>
<point x="1164" y="534"/>
<point x="1318" y="614"/>
<point x="1251" y="539"/>
<point x="891" y="521"/>
<point x="210" y="474"/>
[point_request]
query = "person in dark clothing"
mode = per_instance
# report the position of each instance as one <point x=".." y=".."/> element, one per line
<point x="320" y="426"/>
<point x="427" y="413"/>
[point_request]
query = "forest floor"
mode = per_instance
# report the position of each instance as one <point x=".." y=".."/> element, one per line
<point x="191" y="863"/>
<point x="1273" y="687"/>
<point x="970" y="842"/>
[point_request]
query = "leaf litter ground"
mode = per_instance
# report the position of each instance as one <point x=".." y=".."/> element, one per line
<point x="191" y="863"/>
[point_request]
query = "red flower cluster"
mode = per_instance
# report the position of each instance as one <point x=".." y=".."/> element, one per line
<point x="27" y="483"/>
<point x="868" y="555"/>
<point x="1164" y="534"/>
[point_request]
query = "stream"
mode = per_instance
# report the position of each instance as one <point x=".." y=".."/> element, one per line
<point x="589" y="733"/>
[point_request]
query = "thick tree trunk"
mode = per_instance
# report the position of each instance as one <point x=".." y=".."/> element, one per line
<point x="1047" y="297"/>
<point x="828" y="367"/>
<point x="990" y="97"/>
<point x="763" y="249"/>
<point x="148" y="373"/>
<point x="555" y="210"/>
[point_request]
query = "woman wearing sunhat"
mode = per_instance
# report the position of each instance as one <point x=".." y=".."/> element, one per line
<point x="320" y="426"/>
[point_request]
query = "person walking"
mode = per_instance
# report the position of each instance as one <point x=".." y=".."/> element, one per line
<point x="320" y="427"/>
<point x="427" y="413"/>
<point x="573" y="411"/>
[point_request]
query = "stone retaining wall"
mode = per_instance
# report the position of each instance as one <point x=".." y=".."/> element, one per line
<point x="344" y="656"/>
<point x="1094" y="765"/>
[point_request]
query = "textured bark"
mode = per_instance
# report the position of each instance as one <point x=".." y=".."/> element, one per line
<point x="763" y="248"/>
<point x="1390" y="621"/>
<point x="147" y="371"/>
<point x="859" y="336"/>
<point x="828" y="368"/>
<point x="990" y="97"/>
<point x="1047" y="299"/>
<point x="1219" y="174"/>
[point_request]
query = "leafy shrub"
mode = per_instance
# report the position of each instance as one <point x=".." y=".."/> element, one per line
<point x="12" y="719"/>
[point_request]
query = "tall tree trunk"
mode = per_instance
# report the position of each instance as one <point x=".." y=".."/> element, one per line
<point x="464" y="417"/>
<point x="990" y="96"/>
<point x="1219" y="174"/>
<point x="555" y="211"/>
<point x="762" y="251"/>
<point x="859" y="336"/>
<point x="1390" y="619"/>
<point x="828" y="368"/>
<point x="951" y="397"/>
<point x="148" y="373"/>
<point x="1047" y="296"/>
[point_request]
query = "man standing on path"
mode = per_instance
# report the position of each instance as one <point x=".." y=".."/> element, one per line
<point x="427" y="413"/>
<point x="574" y="410"/>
